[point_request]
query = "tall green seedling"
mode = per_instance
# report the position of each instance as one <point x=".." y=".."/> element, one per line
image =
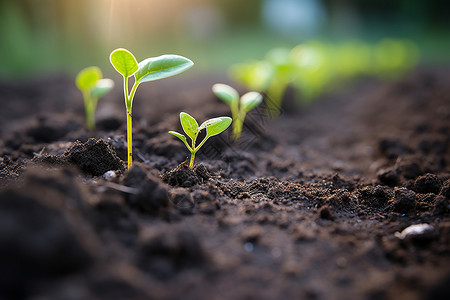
<point x="91" y="84"/>
<point x="190" y="126"/>
<point x="149" y="69"/>
<point x="239" y="106"/>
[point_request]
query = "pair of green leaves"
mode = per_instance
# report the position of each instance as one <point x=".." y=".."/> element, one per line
<point x="149" y="69"/>
<point x="239" y="106"/>
<point x="230" y="96"/>
<point x="190" y="126"/>
<point x="90" y="80"/>
<point x="93" y="86"/>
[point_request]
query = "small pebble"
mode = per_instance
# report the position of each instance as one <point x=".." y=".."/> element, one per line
<point x="418" y="230"/>
<point x="248" y="247"/>
<point x="109" y="175"/>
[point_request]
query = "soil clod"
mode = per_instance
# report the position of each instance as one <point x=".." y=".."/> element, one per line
<point x="183" y="176"/>
<point x="428" y="183"/>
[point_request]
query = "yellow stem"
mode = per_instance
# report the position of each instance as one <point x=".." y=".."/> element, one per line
<point x="129" y="137"/>
<point x="191" y="163"/>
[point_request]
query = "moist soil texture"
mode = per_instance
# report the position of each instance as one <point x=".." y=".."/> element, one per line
<point x="346" y="198"/>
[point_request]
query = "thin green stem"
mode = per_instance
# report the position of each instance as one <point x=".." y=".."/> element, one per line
<point x="275" y="95"/>
<point x="195" y="139"/>
<point x="238" y="123"/>
<point x="193" y="150"/>
<point x="191" y="162"/>
<point x="125" y="91"/>
<point x="235" y="114"/>
<point x="90" y="118"/>
<point x="94" y="104"/>
<point x="187" y="145"/>
<point x="133" y="91"/>
<point x="129" y="103"/>
<point x="201" y="144"/>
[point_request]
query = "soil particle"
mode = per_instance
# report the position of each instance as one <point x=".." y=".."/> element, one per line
<point x="442" y="206"/>
<point x="376" y="197"/>
<point x="445" y="189"/>
<point x="183" y="176"/>
<point x="182" y="199"/>
<point x="389" y="177"/>
<point x="164" y="254"/>
<point x="403" y="200"/>
<point x="424" y="202"/>
<point x="341" y="198"/>
<point x="9" y="171"/>
<point x="326" y="213"/>
<point x="205" y="201"/>
<point x="150" y="194"/>
<point x="428" y="183"/>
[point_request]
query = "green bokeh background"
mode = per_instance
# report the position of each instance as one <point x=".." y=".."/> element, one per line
<point x="43" y="36"/>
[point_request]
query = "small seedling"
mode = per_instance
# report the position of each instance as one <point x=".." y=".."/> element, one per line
<point x="190" y="126"/>
<point x="90" y="82"/>
<point x="239" y="107"/>
<point x="149" y="69"/>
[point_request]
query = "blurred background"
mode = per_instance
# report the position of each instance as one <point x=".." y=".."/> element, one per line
<point x="41" y="36"/>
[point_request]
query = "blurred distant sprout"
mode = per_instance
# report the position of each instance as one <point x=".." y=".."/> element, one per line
<point x="239" y="106"/>
<point x="149" y="69"/>
<point x="312" y="67"/>
<point x="271" y="75"/>
<point x="190" y="126"/>
<point x="89" y="81"/>
<point x="394" y="57"/>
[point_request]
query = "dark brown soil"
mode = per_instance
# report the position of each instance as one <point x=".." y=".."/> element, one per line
<point x="313" y="205"/>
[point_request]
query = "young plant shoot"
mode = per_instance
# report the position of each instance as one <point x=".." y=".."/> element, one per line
<point x="190" y="126"/>
<point x="91" y="84"/>
<point x="149" y="69"/>
<point x="239" y="107"/>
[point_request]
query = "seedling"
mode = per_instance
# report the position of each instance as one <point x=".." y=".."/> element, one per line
<point x="190" y="126"/>
<point x="149" y="69"/>
<point x="314" y="67"/>
<point x="239" y="107"/>
<point x="91" y="84"/>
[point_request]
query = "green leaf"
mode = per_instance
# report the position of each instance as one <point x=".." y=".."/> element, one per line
<point x="178" y="135"/>
<point x="88" y="77"/>
<point x="218" y="127"/>
<point x="189" y="124"/>
<point x="226" y="93"/>
<point x="163" y="66"/>
<point x="181" y="137"/>
<point x="124" y="62"/>
<point x="102" y="87"/>
<point x="250" y="100"/>
<point x="209" y="122"/>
